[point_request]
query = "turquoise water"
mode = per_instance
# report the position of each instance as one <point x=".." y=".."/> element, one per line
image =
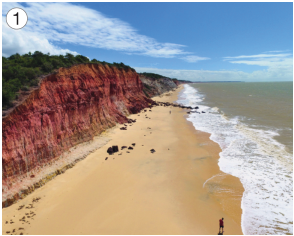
<point x="253" y="124"/>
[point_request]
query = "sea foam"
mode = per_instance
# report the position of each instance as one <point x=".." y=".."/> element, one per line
<point x="262" y="164"/>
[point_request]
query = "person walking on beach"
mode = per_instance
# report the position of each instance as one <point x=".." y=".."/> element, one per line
<point x="169" y="112"/>
<point x="221" y="225"/>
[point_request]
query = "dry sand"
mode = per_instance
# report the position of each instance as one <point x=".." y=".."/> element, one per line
<point x="138" y="192"/>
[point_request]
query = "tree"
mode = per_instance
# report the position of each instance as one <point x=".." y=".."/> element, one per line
<point x="22" y="71"/>
<point x="95" y="61"/>
<point x="82" y="59"/>
<point x="47" y="67"/>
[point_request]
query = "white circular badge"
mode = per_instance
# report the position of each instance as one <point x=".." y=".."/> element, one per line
<point x="16" y="18"/>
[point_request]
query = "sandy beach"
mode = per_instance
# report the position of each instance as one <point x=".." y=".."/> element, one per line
<point x="178" y="189"/>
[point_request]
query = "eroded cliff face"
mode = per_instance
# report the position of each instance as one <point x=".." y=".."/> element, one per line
<point x="154" y="87"/>
<point x="70" y="107"/>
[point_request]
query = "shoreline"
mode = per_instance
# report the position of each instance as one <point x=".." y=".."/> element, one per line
<point x="228" y="198"/>
<point x="138" y="192"/>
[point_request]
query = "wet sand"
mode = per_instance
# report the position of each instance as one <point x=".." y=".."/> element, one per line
<point x="165" y="192"/>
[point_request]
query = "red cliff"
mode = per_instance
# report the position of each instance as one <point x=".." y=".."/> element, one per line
<point x="70" y="107"/>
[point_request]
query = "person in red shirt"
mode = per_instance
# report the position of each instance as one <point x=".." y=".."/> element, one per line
<point x="221" y="225"/>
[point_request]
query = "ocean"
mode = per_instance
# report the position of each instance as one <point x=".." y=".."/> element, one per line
<point x="253" y="125"/>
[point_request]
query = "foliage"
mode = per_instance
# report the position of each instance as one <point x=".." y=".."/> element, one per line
<point x="153" y="75"/>
<point x="147" y="86"/>
<point x="20" y="72"/>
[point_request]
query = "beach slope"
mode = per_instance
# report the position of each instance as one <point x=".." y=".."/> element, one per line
<point x="135" y="191"/>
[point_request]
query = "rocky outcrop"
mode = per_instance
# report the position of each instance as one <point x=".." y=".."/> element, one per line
<point x="70" y="107"/>
<point x="177" y="82"/>
<point x="156" y="86"/>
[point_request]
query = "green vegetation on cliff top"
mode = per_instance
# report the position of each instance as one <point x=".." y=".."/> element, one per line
<point x="157" y="76"/>
<point x="20" y="72"/>
<point x="153" y="75"/>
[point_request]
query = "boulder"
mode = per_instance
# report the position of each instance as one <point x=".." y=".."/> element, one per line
<point x="115" y="148"/>
<point x="110" y="151"/>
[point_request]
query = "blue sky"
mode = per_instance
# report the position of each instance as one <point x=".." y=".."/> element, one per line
<point x="195" y="41"/>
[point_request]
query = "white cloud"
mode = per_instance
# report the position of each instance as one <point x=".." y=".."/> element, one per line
<point x="51" y="23"/>
<point x="208" y="75"/>
<point x="259" y="56"/>
<point x="194" y="58"/>
<point x="277" y="51"/>
<point x="281" y="60"/>
<point x="279" y="65"/>
<point x="18" y="41"/>
<point x="272" y="62"/>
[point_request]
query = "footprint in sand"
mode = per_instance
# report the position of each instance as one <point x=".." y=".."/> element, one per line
<point x="36" y="199"/>
<point x="30" y="206"/>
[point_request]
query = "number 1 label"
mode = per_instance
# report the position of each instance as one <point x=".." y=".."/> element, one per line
<point x="16" y="18"/>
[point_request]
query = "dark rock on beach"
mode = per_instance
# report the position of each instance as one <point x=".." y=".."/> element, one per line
<point x="115" y="148"/>
<point x="152" y="150"/>
<point x="110" y="151"/>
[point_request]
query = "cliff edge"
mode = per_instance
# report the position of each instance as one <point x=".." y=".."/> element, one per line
<point x="156" y="86"/>
<point x="70" y="107"/>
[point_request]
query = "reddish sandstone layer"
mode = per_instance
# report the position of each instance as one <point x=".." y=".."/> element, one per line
<point x="70" y="107"/>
